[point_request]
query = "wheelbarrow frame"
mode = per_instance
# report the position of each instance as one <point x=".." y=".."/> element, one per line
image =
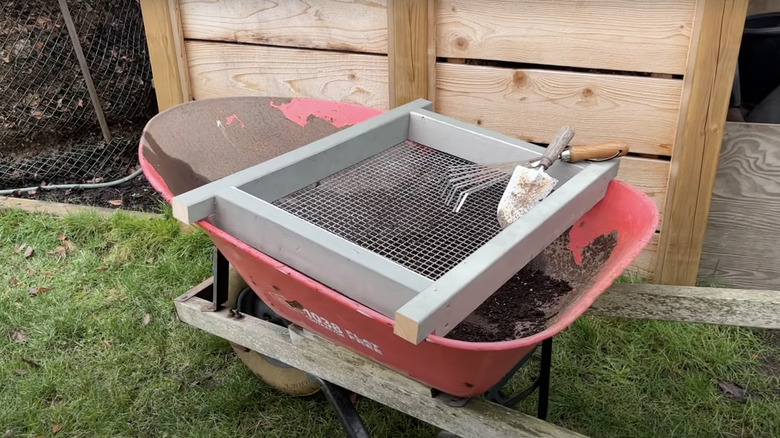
<point x="341" y="369"/>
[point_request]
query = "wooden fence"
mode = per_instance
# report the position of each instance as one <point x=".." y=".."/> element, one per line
<point x="656" y="74"/>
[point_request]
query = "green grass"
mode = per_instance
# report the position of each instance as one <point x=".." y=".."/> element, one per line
<point x="93" y="367"/>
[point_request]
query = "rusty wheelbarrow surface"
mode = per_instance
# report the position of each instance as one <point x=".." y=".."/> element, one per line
<point x="196" y="143"/>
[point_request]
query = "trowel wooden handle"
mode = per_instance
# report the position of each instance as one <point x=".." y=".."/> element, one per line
<point x="601" y="151"/>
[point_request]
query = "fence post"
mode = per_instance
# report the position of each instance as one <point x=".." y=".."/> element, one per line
<point x="165" y="40"/>
<point x="411" y="50"/>
<point x="714" y="48"/>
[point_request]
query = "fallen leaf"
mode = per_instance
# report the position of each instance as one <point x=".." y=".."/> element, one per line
<point x="107" y="343"/>
<point x="20" y="248"/>
<point x="33" y="291"/>
<point x="29" y="252"/>
<point x="14" y="281"/>
<point x="21" y="373"/>
<point x="60" y="251"/>
<point x="102" y="268"/>
<point x="56" y="428"/>
<point x="31" y="362"/>
<point x="32" y="192"/>
<point x="31" y="271"/>
<point x="61" y="237"/>
<point x="150" y="260"/>
<point x="69" y="245"/>
<point x="20" y="336"/>
<point x="147" y="319"/>
<point x="115" y="202"/>
<point x="732" y="390"/>
<point x="47" y="273"/>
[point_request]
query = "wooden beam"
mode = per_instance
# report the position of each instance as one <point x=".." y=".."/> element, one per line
<point x="408" y="50"/>
<point x="306" y="351"/>
<point x="737" y="307"/>
<point x="706" y="92"/>
<point x="62" y="209"/>
<point x="166" y="52"/>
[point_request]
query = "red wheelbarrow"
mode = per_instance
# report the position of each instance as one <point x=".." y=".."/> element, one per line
<point x="196" y="143"/>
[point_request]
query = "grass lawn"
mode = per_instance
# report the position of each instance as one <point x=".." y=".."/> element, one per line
<point x="90" y="347"/>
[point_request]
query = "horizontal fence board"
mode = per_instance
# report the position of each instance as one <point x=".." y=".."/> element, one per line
<point x="648" y="175"/>
<point x="644" y="265"/>
<point x="226" y="69"/>
<point x="534" y="104"/>
<point x="359" y="26"/>
<point x="741" y="242"/>
<point x="643" y="36"/>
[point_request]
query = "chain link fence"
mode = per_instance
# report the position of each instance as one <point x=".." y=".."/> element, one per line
<point x="50" y="132"/>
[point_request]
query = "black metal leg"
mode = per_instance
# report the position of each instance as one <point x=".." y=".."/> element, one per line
<point x="541" y="383"/>
<point x="221" y="276"/>
<point x="544" y="379"/>
<point x="345" y="410"/>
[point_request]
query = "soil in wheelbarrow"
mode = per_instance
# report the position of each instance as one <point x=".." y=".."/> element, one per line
<point x="516" y="310"/>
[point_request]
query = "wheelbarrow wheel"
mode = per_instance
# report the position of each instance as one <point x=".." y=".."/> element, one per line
<point x="275" y="373"/>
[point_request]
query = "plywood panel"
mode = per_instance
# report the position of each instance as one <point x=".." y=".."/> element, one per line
<point x="225" y="69"/>
<point x="741" y="243"/>
<point x="647" y="36"/>
<point x="534" y="104"/>
<point x="649" y="176"/>
<point x="359" y="25"/>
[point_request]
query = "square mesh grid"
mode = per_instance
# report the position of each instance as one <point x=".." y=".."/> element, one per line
<point x="392" y="204"/>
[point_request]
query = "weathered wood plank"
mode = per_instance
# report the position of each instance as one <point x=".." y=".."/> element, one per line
<point x="740" y="246"/>
<point x="763" y="6"/>
<point x="167" y="56"/>
<point x="738" y="307"/>
<point x="647" y="36"/>
<point x="358" y="26"/>
<point x="225" y="69"/>
<point x="534" y="104"/>
<point x="708" y="82"/>
<point x="648" y="175"/>
<point x="407" y="23"/>
<point x="320" y="357"/>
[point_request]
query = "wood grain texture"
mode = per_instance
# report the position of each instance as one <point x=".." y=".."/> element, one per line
<point x="708" y="305"/>
<point x="648" y="175"/>
<point x="225" y="69"/>
<point x="763" y="6"/>
<point x="646" y="36"/>
<point x="320" y="357"/>
<point x="708" y="82"/>
<point x="740" y="246"/>
<point x="534" y="104"/>
<point x="358" y="26"/>
<point x="63" y="209"/>
<point x="166" y="52"/>
<point x="407" y="23"/>
<point x="644" y="265"/>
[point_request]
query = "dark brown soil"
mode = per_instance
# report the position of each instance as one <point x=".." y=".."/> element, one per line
<point x="135" y="194"/>
<point x="516" y="310"/>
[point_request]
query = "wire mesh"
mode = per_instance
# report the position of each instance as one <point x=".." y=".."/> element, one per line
<point x="50" y="131"/>
<point x="393" y="205"/>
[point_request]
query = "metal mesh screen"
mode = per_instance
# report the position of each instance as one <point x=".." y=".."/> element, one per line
<point x="392" y="205"/>
<point x="49" y="127"/>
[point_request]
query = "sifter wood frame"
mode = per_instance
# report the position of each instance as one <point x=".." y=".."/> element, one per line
<point x="241" y="204"/>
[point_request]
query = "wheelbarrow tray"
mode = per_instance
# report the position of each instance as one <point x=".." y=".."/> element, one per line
<point x="181" y="149"/>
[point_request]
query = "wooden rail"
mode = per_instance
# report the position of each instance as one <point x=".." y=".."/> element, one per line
<point x="655" y="74"/>
<point x="478" y="418"/>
